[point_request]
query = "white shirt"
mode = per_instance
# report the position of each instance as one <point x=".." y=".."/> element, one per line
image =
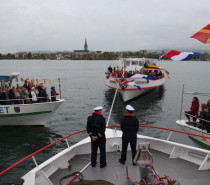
<point x="33" y="94"/>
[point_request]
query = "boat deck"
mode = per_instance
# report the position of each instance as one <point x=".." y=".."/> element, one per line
<point x="185" y="172"/>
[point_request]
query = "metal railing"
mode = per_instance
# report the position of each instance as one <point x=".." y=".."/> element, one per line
<point x="65" y="138"/>
<point x="26" y="100"/>
<point x="200" y="122"/>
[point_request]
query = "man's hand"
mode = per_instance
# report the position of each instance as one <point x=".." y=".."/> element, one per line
<point x="94" y="138"/>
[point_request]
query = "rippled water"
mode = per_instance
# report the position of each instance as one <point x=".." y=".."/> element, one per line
<point x="83" y="88"/>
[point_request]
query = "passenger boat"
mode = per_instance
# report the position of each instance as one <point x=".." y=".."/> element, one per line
<point x="197" y="127"/>
<point x="135" y="76"/>
<point x="166" y="162"/>
<point x="22" y="113"/>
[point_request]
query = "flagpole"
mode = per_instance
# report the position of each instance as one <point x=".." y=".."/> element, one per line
<point x="59" y="80"/>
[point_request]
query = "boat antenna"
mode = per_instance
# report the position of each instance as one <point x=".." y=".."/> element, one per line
<point x="107" y="124"/>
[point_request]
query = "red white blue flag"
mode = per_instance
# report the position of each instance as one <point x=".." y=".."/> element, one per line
<point x="180" y="56"/>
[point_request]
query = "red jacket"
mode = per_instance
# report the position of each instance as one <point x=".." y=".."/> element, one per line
<point x="194" y="109"/>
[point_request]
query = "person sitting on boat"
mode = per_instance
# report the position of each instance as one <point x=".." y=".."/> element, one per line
<point x="205" y="117"/>
<point x="96" y="126"/>
<point x="129" y="126"/>
<point x="53" y="94"/>
<point x="193" y="110"/>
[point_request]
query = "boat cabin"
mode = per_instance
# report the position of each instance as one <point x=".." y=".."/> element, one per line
<point x="132" y="64"/>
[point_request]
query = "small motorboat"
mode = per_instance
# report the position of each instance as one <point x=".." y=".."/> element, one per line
<point x="198" y="127"/>
<point x="18" y="112"/>
<point x="135" y="76"/>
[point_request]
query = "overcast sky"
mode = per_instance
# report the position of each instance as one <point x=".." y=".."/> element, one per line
<point x="108" y="25"/>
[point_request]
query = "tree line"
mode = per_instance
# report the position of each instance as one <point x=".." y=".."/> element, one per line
<point x="93" y="56"/>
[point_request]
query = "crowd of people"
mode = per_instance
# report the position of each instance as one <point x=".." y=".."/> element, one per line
<point x="203" y="116"/>
<point x="27" y="93"/>
<point x="121" y="72"/>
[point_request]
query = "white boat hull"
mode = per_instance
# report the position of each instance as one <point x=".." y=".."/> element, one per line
<point x="27" y="114"/>
<point x="194" y="130"/>
<point x="131" y="92"/>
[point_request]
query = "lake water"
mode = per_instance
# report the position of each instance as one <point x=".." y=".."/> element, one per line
<point x="83" y="89"/>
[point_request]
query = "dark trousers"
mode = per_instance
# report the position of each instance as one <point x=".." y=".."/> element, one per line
<point x="101" y="144"/>
<point x="188" y="117"/>
<point x="125" y="142"/>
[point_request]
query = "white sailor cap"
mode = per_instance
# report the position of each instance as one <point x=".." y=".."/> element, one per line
<point x="98" y="108"/>
<point x="130" y="108"/>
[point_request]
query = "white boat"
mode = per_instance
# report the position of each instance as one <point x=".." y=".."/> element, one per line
<point x="24" y="114"/>
<point x="196" y="128"/>
<point x="135" y="77"/>
<point x="172" y="161"/>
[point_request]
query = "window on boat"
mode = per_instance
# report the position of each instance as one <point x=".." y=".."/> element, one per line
<point x="127" y="63"/>
<point x="141" y="63"/>
<point x="134" y="63"/>
<point x="5" y="83"/>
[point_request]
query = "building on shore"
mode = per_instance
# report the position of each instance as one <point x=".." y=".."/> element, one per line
<point x="85" y="51"/>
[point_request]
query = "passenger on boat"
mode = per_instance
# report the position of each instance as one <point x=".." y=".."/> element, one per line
<point x="2" y="97"/>
<point x="33" y="95"/>
<point x="24" y="94"/>
<point x="109" y="69"/>
<point x="42" y="96"/>
<point x="205" y="117"/>
<point x="96" y="126"/>
<point x="208" y="103"/>
<point x="53" y="94"/>
<point x="129" y="127"/>
<point x="193" y="110"/>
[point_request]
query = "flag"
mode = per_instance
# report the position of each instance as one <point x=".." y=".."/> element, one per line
<point x="133" y="84"/>
<point x="203" y="35"/>
<point x="180" y="56"/>
<point x="151" y="67"/>
<point x="127" y="82"/>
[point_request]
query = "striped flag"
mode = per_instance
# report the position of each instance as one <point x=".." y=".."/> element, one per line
<point x="127" y="82"/>
<point x="203" y="35"/>
<point x="180" y="56"/>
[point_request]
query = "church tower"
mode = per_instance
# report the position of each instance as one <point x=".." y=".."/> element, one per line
<point x="86" y="46"/>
